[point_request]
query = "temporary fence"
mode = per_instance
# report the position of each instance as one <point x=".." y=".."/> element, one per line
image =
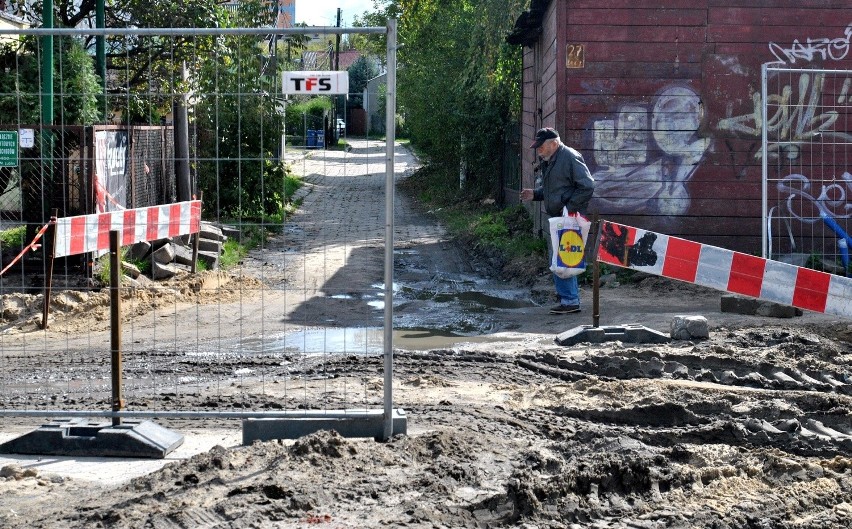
<point x="806" y="154"/>
<point x="245" y="341"/>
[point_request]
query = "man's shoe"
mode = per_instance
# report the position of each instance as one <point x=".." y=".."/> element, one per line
<point x="565" y="309"/>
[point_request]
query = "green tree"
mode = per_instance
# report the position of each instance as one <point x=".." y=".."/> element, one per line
<point x="361" y="71"/>
<point x="306" y="112"/>
<point x="238" y="125"/>
<point x="453" y="83"/>
<point x="457" y="82"/>
<point x="374" y="44"/>
<point x="74" y="82"/>
<point x="142" y="71"/>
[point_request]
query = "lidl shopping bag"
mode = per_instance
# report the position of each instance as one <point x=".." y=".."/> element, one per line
<point x="568" y="235"/>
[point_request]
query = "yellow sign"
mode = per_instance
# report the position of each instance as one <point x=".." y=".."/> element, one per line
<point x="570" y="248"/>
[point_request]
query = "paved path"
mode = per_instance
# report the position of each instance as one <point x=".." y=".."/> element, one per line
<point x="329" y="261"/>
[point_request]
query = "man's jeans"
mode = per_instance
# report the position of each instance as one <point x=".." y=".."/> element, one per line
<point x="567" y="290"/>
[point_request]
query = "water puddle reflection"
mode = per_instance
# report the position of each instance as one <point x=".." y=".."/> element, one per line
<point x="361" y="341"/>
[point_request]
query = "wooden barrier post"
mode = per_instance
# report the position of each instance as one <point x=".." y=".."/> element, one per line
<point x="592" y="244"/>
<point x="596" y="294"/>
<point x="115" y="322"/>
<point x="50" y="241"/>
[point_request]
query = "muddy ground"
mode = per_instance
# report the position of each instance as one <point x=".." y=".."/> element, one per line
<point x="750" y="428"/>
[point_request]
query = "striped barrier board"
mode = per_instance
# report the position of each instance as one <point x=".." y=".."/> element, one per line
<point x="713" y="267"/>
<point x="90" y="233"/>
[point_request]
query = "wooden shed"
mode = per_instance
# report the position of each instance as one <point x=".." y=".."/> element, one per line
<point x="664" y="100"/>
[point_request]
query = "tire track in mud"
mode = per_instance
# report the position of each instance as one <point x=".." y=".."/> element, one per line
<point x="758" y="389"/>
<point x="531" y="450"/>
<point x="699" y="453"/>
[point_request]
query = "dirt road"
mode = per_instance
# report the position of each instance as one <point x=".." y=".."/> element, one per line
<point x="748" y="429"/>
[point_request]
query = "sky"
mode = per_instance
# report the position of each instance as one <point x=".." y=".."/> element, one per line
<point x="324" y="12"/>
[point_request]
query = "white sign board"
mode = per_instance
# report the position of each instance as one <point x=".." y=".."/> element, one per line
<point x="316" y="83"/>
<point x="27" y="138"/>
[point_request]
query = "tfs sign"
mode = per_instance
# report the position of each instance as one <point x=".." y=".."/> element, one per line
<point x="321" y="83"/>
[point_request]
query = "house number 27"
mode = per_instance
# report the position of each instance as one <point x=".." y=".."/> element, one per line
<point x="574" y="56"/>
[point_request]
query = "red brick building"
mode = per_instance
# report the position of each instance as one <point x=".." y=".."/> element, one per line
<point x="664" y="100"/>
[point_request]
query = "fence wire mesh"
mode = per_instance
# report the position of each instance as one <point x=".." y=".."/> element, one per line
<point x="808" y="147"/>
<point x="281" y="286"/>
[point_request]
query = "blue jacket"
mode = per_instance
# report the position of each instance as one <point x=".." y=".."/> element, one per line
<point x="565" y="181"/>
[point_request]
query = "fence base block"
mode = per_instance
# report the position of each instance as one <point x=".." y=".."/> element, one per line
<point x="630" y="333"/>
<point x="371" y="425"/>
<point x="81" y="437"/>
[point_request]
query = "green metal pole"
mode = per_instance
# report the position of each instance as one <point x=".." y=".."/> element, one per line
<point x="46" y="136"/>
<point x="100" y="48"/>
<point x="47" y="66"/>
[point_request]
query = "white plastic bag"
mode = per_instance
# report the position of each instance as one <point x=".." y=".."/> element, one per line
<point x="568" y="235"/>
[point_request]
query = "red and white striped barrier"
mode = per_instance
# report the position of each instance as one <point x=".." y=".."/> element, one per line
<point x="90" y="233"/>
<point x="734" y="272"/>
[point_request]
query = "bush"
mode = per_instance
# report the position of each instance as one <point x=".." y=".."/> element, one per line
<point x="503" y="237"/>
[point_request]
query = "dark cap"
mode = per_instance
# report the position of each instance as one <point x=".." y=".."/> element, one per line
<point x="542" y="136"/>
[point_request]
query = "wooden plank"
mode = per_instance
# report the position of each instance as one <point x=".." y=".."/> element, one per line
<point x="741" y="48"/>
<point x="783" y="35"/>
<point x="686" y="52"/>
<point x="637" y="88"/>
<point x="607" y="33"/>
<point x="639" y="17"/>
<point x="695" y="228"/>
<point x="821" y="19"/>
<point x="612" y="4"/>
<point x="780" y="4"/>
<point x="640" y="70"/>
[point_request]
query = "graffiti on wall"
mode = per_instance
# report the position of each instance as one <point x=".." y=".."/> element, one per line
<point x="647" y="154"/>
<point x="792" y="122"/>
<point x="824" y="49"/>
<point x="828" y="207"/>
<point x="804" y="204"/>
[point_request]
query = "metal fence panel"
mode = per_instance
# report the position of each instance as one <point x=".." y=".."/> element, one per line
<point x="807" y="146"/>
<point x="251" y="333"/>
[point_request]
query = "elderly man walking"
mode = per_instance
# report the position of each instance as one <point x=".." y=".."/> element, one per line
<point x="565" y="182"/>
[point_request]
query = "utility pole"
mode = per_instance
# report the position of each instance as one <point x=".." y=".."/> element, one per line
<point x="47" y="65"/>
<point x="337" y="44"/>
<point x="100" y="46"/>
<point x="332" y="125"/>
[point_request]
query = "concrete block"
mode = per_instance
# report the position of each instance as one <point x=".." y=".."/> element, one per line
<point x="207" y="245"/>
<point x="130" y="269"/>
<point x="81" y="437"/>
<point x="139" y="251"/>
<point x="183" y="240"/>
<point x="183" y="255"/>
<point x="211" y="232"/>
<point x="689" y="328"/>
<point x="749" y="306"/>
<point x="231" y="232"/>
<point x="164" y="254"/>
<point x="162" y="271"/>
<point x="210" y="260"/>
<point x="630" y="333"/>
<point x="366" y="424"/>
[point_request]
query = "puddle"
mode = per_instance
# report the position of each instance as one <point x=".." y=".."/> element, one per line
<point x="469" y="295"/>
<point x="358" y="340"/>
<point x="485" y="301"/>
<point x="362" y="341"/>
